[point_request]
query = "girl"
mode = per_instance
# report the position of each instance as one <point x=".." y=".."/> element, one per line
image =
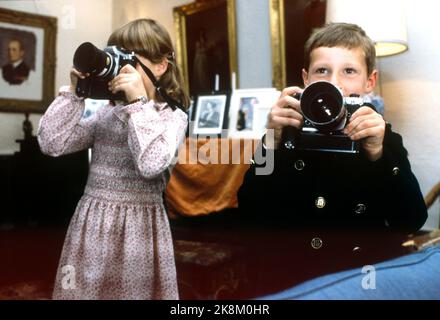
<point x="118" y="244"/>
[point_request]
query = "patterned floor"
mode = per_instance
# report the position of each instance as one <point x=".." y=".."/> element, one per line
<point x="207" y="269"/>
<point x="34" y="290"/>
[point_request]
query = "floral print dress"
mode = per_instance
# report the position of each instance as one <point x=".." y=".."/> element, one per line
<point x="118" y="244"/>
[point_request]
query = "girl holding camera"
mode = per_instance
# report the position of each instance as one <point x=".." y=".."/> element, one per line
<point x="118" y="244"/>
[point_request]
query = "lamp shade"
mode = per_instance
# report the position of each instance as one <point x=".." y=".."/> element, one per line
<point x="384" y="21"/>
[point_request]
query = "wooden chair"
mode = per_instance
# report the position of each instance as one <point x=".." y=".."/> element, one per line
<point x="432" y="195"/>
<point x="425" y="240"/>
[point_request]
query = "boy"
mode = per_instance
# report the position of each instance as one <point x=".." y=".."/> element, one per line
<point x="376" y="187"/>
<point x="347" y="210"/>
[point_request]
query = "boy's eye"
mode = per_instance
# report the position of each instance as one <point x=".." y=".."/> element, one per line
<point x="350" y="71"/>
<point x="321" y="71"/>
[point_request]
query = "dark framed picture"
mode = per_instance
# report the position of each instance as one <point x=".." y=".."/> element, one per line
<point x="206" y="45"/>
<point x="292" y="22"/>
<point x="27" y="61"/>
<point x="210" y="114"/>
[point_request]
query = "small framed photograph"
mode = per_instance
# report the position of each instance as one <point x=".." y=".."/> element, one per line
<point x="27" y="61"/>
<point x="210" y="114"/>
<point x="248" y="112"/>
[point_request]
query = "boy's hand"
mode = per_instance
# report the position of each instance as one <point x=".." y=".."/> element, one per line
<point x="129" y="81"/>
<point x="285" y="112"/>
<point x="368" y="125"/>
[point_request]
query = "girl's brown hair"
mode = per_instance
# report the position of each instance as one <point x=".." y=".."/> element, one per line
<point x="344" y="35"/>
<point x="149" y="39"/>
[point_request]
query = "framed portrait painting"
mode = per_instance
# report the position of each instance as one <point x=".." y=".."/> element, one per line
<point x="27" y="61"/>
<point x="210" y="114"/>
<point x="206" y="45"/>
<point x="248" y="112"/>
<point x="292" y="22"/>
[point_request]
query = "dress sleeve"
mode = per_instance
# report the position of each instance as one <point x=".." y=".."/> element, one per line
<point x="62" y="129"/>
<point x="154" y="135"/>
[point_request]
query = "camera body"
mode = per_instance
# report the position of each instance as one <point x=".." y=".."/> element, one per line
<point x="103" y="66"/>
<point x="326" y="112"/>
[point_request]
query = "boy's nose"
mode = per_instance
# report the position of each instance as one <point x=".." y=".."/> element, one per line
<point x="335" y="81"/>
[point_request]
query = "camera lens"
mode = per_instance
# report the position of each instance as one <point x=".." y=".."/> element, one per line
<point x="89" y="59"/>
<point x="322" y="104"/>
<point x="324" y="108"/>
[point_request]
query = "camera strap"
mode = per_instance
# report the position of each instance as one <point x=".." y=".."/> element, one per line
<point x="170" y="101"/>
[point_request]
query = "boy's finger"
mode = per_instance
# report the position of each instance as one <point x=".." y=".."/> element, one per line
<point x="287" y="113"/>
<point x="366" y="133"/>
<point x="354" y="123"/>
<point x="364" y="122"/>
<point x="284" y="122"/>
<point x="290" y="91"/>
<point x="363" y="114"/>
<point x="362" y="111"/>
<point x="288" y="102"/>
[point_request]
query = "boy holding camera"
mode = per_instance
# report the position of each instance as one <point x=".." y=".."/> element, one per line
<point x="375" y="187"/>
<point x="346" y="209"/>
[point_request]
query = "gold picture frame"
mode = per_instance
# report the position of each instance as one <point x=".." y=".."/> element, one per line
<point x="276" y="9"/>
<point x="287" y="57"/>
<point x="216" y="18"/>
<point x="27" y="42"/>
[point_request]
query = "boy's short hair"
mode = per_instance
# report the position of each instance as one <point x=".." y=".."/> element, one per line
<point x="345" y="35"/>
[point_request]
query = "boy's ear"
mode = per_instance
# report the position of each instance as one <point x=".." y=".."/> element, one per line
<point x="305" y="76"/>
<point x="371" y="82"/>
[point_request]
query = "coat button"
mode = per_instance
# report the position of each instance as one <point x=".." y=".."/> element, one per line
<point x="316" y="243"/>
<point x="356" y="249"/>
<point x="320" y="202"/>
<point x="360" y="208"/>
<point x="396" y="171"/>
<point x="299" y="165"/>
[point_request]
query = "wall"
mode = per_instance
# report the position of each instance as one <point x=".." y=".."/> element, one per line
<point x="254" y="52"/>
<point x="410" y="85"/>
<point x="78" y="21"/>
<point x="254" y="44"/>
<point x="162" y="11"/>
<point x="253" y="33"/>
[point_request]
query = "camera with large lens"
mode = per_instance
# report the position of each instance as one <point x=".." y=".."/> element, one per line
<point x="326" y="112"/>
<point x="103" y="66"/>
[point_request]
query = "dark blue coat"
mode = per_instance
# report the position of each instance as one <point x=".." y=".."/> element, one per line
<point x="320" y="213"/>
<point x="338" y="190"/>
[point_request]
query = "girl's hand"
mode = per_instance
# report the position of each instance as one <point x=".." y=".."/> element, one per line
<point x="368" y="125"/>
<point x="74" y="75"/>
<point x="285" y="112"/>
<point x="129" y="81"/>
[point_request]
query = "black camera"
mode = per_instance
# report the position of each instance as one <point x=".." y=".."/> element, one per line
<point x="103" y="66"/>
<point x="326" y="112"/>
